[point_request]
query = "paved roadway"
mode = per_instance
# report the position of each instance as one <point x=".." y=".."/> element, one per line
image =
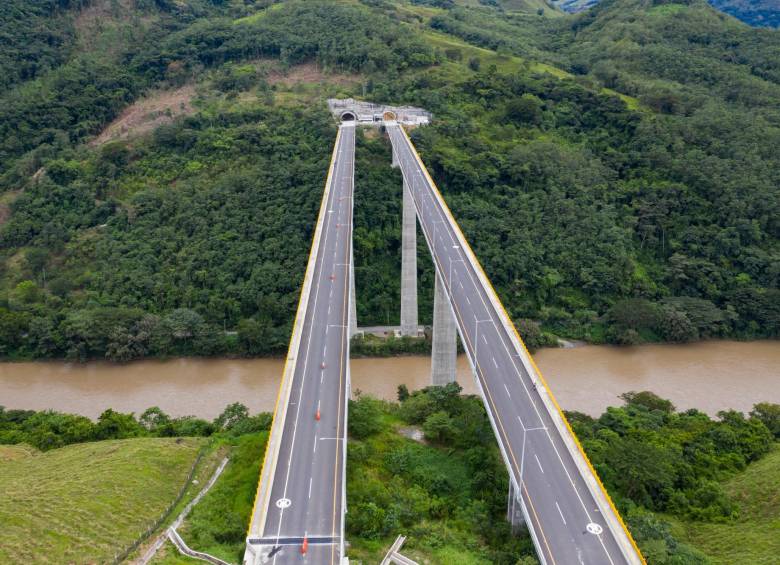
<point x="556" y="498"/>
<point x="308" y="483"/>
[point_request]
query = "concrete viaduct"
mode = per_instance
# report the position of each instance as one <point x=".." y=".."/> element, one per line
<point x="299" y="510"/>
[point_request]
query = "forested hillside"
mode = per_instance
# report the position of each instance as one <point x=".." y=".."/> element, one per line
<point x="759" y="13"/>
<point x="615" y="171"/>
<point x="754" y="12"/>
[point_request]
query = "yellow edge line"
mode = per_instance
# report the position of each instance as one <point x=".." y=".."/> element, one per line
<point x="517" y="335"/>
<point x="309" y="267"/>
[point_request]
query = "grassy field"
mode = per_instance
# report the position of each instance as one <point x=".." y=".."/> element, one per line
<point x="217" y="525"/>
<point x="84" y="503"/>
<point x="755" y="536"/>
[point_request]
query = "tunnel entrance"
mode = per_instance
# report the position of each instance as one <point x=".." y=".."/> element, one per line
<point x="348" y="117"/>
<point x="389" y="116"/>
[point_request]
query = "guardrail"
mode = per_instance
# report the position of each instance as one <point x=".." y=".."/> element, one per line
<point x="175" y="538"/>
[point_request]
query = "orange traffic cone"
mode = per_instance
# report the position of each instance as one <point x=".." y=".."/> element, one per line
<point x="304" y="546"/>
<point x="317" y="415"/>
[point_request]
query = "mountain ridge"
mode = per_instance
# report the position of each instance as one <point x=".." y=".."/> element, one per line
<point x="756" y="13"/>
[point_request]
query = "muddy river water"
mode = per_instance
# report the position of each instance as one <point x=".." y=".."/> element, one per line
<point x="710" y="376"/>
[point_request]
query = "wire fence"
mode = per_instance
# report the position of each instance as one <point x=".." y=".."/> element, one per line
<point x="151" y="528"/>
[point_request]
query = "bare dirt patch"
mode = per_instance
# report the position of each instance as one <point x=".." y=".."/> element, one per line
<point x="308" y="73"/>
<point x="153" y="110"/>
<point x="104" y="15"/>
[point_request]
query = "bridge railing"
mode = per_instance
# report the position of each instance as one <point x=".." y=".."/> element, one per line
<point x="265" y="484"/>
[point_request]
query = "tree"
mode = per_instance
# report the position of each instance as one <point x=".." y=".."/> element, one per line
<point x="25" y="293"/>
<point x="643" y="472"/>
<point x="648" y="400"/>
<point x="115" y="425"/>
<point x="439" y="427"/>
<point x="531" y="333"/>
<point x="154" y="419"/>
<point x="769" y="414"/>
<point x="255" y="335"/>
<point x="527" y="109"/>
<point x="675" y="326"/>
<point x="13" y="326"/>
<point x="364" y="417"/>
<point x="231" y="416"/>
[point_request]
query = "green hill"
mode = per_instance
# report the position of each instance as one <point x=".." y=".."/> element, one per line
<point x="754" y="537"/>
<point x="84" y="503"/>
<point x="614" y="170"/>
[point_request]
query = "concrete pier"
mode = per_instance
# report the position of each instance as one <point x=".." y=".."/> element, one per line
<point x="352" y="298"/>
<point x="445" y="346"/>
<point x="514" y="512"/>
<point x="409" y="325"/>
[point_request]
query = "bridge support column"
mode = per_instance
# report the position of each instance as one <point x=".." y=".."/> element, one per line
<point x="445" y="346"/>
<point x="409" y="324"/>
<point x="352" y="297"/>
<point x="514" y="512"/>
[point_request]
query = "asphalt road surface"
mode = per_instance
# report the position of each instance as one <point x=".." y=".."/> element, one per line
<point x="306" y="495"/>
<point x="564" y="515"/>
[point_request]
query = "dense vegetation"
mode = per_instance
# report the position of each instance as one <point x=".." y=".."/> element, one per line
<point x="651" y="458"/>
<point x="672" y="474"/>
<point x="641" y="216"/>
<point x="48" y="429"/>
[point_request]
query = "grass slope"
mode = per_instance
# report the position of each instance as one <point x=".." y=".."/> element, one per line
<point x="754" y="537"/>
<point x="86" y="502"/>
<point x="217" y="524"/>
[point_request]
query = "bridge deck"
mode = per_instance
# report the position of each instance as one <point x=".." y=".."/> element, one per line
<point x="302" y="487"/>
<point x="568" y="514"/>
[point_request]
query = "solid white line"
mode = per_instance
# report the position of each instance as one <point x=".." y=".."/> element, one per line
<point x="559" y="512"/>
<point x="538" y="463"/>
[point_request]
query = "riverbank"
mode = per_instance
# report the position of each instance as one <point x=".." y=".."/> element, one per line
<point x="710" y="376"/>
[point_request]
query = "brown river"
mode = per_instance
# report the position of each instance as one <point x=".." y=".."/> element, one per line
<point x="710" y="376"/>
